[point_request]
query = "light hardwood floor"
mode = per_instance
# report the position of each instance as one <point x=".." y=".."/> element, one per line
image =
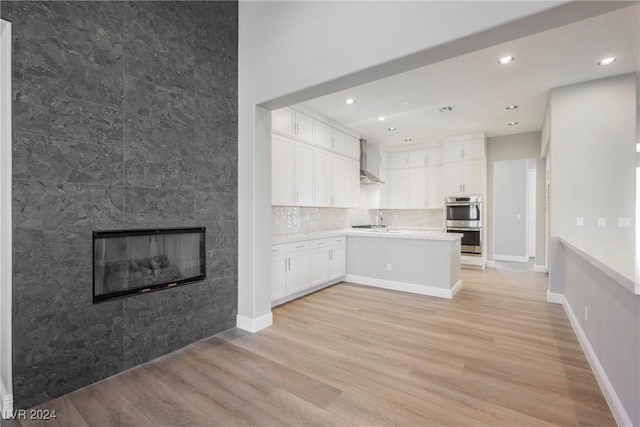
<point x="497" y="354"/>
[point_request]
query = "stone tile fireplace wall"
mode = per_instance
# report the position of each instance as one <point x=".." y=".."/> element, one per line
<point x="125" y="116"/>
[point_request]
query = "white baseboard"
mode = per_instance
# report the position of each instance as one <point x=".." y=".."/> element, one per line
<point x="254" y="325"/>
<point x="540" y="269"/>
<point x="511" y="258"/>
<point x="554" y="297"/>
<point x="491" y="264"/>
<point x="305" y="292"/>
<point x="7" y="406"/>
<point x="617" y="409"/>
<point x="405" y="287"/>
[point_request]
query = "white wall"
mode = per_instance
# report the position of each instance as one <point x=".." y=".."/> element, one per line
<point x="510" y="210"/>
<point x="6" y="388"/>
<point x="290" y="52"/>
<point x="592" y="148"/>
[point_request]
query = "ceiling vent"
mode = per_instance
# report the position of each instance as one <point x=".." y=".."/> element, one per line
<point x="445" y="109"/>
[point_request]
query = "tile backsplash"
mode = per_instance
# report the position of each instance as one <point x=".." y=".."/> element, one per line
<point x="294" y="219"/>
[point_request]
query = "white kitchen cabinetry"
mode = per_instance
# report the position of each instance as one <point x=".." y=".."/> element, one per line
<point x="399" y="159"/>
<point x="293" y="123"/>
<point x="384" y="189"/>
<point x="323" y="135"/>
<point x="337" y="180"/>
<point x="384" y="159"/>
<point x="417" y="196"/>
<point x="292" y="172"/>
<point x="466" y="177"/>
<point x="399" y="188"/>
<point x="464" y="147"/>
<point x="353" y="183"/>
<point x="279" y="266"/>
<point x="417" y="158"/>
<point x="289" y="269"/>
<point x="353" y="148"/>
<point x="434" y="156"/>
<point x="435" y="190"/>
<point x="322" y="178"/>
<point x="327" y="259"/>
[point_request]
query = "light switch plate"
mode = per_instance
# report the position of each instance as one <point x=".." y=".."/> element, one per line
<point x="602" y="222"/>
<point x="624" y="222"/>
<point x="579" y="221"/>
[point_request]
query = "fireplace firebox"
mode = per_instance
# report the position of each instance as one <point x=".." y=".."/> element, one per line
<point x="128" y="262"/>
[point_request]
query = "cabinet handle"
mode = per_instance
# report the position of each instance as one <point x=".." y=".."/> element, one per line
<point x="289" y="263"/>
<point x="406" y="162"/>
<point x="333" y="143"/>
<point x="297" y="129"/>
<point x="274" y="250"/>
<point x="426" y="160"/>
<point x="321" y="243"/>
<point x="301" y="246"/>
<point x="297" y="197"/>
<point x="330" y="254"/>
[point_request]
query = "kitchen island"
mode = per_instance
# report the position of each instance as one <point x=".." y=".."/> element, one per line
<point x="420" y="262"/>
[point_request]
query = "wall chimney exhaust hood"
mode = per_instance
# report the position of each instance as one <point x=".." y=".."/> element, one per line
<point x="369" y="163"/>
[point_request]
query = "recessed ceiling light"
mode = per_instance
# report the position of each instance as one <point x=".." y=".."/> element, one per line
<point x="506" y="60"/>
<point x="607" y="61"/>
<point x="382" y="118"/>
<point x="349" y="101"/>
<point x="511" y="107"/>
<point x="512" y="123"/>
<point x="445" y="109"/>
<point x="391" y="128"/>
<point x="408" y="139"/>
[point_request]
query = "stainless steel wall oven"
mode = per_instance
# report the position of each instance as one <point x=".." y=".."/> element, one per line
<point x="464" y="216"/>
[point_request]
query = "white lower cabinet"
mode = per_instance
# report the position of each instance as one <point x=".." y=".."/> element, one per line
<point x="300" y="265"/>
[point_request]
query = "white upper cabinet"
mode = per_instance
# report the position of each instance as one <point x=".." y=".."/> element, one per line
<point x="353" y="148"/>
<point x="339" y="181"/>
<point x="291" y="122"/>
<point x="292" y="172"/>
<point x="466" y="177"/>
<point x="435" y="187"/>
<point x="303" y="186"/>
<point x="417" y="198"/>
<point x="339" y="141"/>
<point x="323" y="135"/>
<point x="434" y="156"/>
<point x="384" y="159"/>
<point x="398" y="188"/>
<point x="399" y="159"/>
<point x="323" y="180"/>
<point x="384" y="190"/>
<point x="464" y="147"/>
<point x="353" y="183"/>
<point x="417" y="158"/>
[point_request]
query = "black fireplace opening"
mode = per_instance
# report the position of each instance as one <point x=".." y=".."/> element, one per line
<point x="128" y="262"/>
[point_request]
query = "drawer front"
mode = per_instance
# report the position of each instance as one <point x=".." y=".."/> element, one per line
<point x="297" y="246"/>
<point x="278" y="249"/>
<point x="319" y="243"/>
<point x="338" y="241"/>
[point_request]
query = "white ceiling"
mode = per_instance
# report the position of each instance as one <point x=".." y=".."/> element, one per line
<point x="478" y="89"/>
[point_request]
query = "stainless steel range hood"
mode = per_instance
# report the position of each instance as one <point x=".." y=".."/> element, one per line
<point x="369" y="163"/>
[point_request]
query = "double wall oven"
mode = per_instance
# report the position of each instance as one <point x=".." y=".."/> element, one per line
<point x="464" y="216"/>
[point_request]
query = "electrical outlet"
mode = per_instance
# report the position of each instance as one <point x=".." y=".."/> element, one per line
<point x="624" y="222"/>
<point x="579" y="221"/>
<point x="388" y="267"/>
<point x="586" y="313"/>
<point x="602" y="222"/>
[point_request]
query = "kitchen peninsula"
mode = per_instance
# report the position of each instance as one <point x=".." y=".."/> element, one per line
<point x="415" y="261"/>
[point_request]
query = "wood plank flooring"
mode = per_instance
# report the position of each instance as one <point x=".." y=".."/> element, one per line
<point x="496" y="355"/>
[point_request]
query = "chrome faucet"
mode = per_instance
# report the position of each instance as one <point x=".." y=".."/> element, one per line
<point x="379" y="219"/>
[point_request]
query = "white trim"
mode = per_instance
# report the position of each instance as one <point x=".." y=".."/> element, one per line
<point x="254" y="325"/>
<point x="510" y="258"/>
<point x="617" y="409"/>
<point x="305" y="292"/>
<point x="6" y="379"/>
<point x="6" y="406"/>
<point x="540" y="268"/>
<point x="491" y="264"/>
<point x="554" y="297"/>
<point x="406" y="287"/>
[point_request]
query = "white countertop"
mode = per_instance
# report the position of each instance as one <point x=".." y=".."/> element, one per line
<point x="609" y="256"/>
<point x="390" y="232"/>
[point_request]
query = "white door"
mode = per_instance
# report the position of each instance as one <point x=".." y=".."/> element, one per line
<point x="304" y="175"/>
<point x="298" y="271"/>
<point x="305" y="127"/>
<point x="452" y="175"/>
<point x="398" y="191"/>
<point x="339" y="177"/>
<point x="435" y="194"/>
<point x="417" y="188"/>
<point x="279" y="268"/>
<point x="473" y="177"/>
<point x="283" y="120"/>
<point x="282" y="171"/>
<point x="322" y="178"/>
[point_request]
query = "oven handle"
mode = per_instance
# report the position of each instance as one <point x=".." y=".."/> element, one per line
<point x="463" y="204"/>
<point x="464" y="229"/>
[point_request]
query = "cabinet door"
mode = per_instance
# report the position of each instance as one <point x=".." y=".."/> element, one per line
<point x="339" y="141"/>
<point x="473" y="149"/>
<point x="384" y="159"/>
<point x="282" y="171"/>
<point x="417" y="158"/>
<point x="323" y="135"/>
<point x="435" y="194"/>
<point x="473" y="177"/>
<point x="338" y="181"/>
<point x="278" y="275"/>
<point x="304" y="175"/>
<point x="399" y="160"/>
<point x="398" y="191"/>
<point x="384" y="189"/>
<point x="305" y="127"/>
<point x="322" y="178"/>
<point x="353" y="147"/>
<point x="417" y="188"/>
<point x="318" y="266"/>
<point x="452" y="174"/>
<point x="434" y="156"/>
<point x="338" y="262"/>
<point x="298" y="271"/>
<point x="353" y="183"/>
<point x="283" y="120"/>
<point x="452" y="151"/>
